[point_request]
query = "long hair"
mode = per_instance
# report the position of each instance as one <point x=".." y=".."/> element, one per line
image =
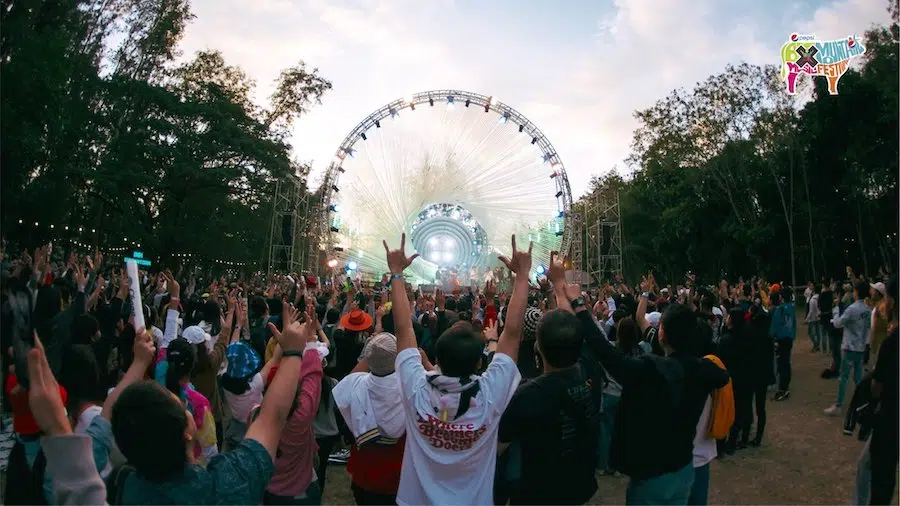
<point x="181" y="359"/>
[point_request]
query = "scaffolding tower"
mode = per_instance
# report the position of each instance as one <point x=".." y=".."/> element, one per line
<point x="602" y="235"/>
<point x="286" y="225"/>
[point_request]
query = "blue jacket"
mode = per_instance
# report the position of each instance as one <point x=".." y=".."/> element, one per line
<point x="784" y="322"/>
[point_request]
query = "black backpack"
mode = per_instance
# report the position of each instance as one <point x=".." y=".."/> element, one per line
<point x="115" y="488"/>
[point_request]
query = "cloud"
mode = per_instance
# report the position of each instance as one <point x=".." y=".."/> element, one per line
<point x="580" y="84"/>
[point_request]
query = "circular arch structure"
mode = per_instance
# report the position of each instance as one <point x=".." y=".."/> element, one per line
<point x="506" y="114"/>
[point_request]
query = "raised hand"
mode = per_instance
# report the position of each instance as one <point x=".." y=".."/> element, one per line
<point x="490" y="290"/>
<point x="557" y="269"/>
<point x="520" y="261"/>
<point x="490" y="331"/>
<point x="80" y="277"/>
<point x="172" y="285"/>
<point x="440" y="299"/>
<point x="572" y="291"/>
<point x="44" y="400"/>
<point x="396" y="259"/>
<point x="144" y="350"/>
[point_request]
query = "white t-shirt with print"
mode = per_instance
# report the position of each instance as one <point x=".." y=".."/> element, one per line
<point x="453" y="462"/>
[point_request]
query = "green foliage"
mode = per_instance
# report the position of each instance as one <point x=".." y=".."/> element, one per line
<point x="102" y="131"/>
<point x="735" y="175"/>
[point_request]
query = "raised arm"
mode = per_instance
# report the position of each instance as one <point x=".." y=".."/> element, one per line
<point x="279" y="398"/>
<point x="398" y="262"/>
<point x="519" y="264"/>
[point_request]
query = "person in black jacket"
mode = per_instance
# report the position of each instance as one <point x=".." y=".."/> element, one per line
<point x="735" y="352"/>
<point x="662" y="400"/>
<point x="761" y="356"/>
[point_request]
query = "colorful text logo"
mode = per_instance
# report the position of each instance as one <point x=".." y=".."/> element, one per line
<point x="803" y="54"/>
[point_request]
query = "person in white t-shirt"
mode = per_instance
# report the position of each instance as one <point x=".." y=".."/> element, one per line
<point x="704" y="452"/>
<point x="243" y="383"/>
<point x="452" y="416"/>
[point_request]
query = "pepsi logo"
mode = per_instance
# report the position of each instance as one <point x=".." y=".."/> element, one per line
<point x="850" y="42"/>
<point x="794" y="37"/>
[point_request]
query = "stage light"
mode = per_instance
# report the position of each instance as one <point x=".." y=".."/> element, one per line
<point x="533" y="140"/>
<point x="504" y="118"/>
<point x="448" y="256"/>
<point x="554" y="174"/>
<point x="352" y="266"/>
<point x="332" y="263"/>
<point x="559" y="194"/>
<point x="335" y="188"/>
<point x="338" y="248"/>
<point x="51" y="226"/>
<point x="377" y="124"/>
<point x="363" y="135"/>
<point x="561" y="214"/>
<point x="335" y="208"/>
<point x="434" y="256"/>
<point x="450" y="103"/>
<point x="559" y="234"/>
<point x="350" y="151"/>
<point x="431" y="102"/>
<point x="540" y="269"/>
<point x="335" y="230"/>
<point x="468" y="102"/>
<point x="433" y="241"/>
<point x="394" y="113"/>
<point x="341" y="170"/>
<point x="521" y="128"/>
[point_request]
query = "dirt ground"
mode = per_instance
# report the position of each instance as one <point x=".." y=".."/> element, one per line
<point x="804" y="459"/>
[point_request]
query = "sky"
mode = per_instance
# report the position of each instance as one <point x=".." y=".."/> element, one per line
<point x="577" y="69"/>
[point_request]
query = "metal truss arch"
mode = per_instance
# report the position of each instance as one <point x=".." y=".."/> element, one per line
<point x="551" y="158"/>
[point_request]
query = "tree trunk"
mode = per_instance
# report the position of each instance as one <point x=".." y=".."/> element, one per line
<point x="809" y="229"/>
<point x="859" y="235"/>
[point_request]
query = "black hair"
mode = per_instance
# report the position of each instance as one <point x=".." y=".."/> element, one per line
<point x="628" y="335"/>
<point x="450" y="304"/>
<point x="458" y="350"/>
<point x="181" y="358"/>
<point x="80" y="376"/>
<point x="258" y="307"/>
<point x="320" y="312"/>
<point x="678" y="326"/>
<point x="84" y="328"/>
<point x="236" y="386"/>
<point x="143" y="409"/>
<point x="738" y="318"/>
<point x="332" y="316"/>
<point x="702" y="342"/>
<point x="862" y="289"/>
<point x="559" y="338"/>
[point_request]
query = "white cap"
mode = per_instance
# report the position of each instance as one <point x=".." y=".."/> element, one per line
<point x="654" y="318"/>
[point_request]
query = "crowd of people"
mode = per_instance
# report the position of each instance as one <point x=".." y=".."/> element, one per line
<point x="242" y="391"/>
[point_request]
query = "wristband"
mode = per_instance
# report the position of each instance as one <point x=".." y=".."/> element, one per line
<point x="493" y="340"/>
<point x="396" y="276"/>
<point x="577" y="303"/>
<point x="176" y="299"/>
<point x="292" y="353"/>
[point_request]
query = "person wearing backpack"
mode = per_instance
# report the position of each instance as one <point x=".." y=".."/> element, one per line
<point x="662" y="401"/>
<point x="784" y="330"/>
<point x="714" y="425"/>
